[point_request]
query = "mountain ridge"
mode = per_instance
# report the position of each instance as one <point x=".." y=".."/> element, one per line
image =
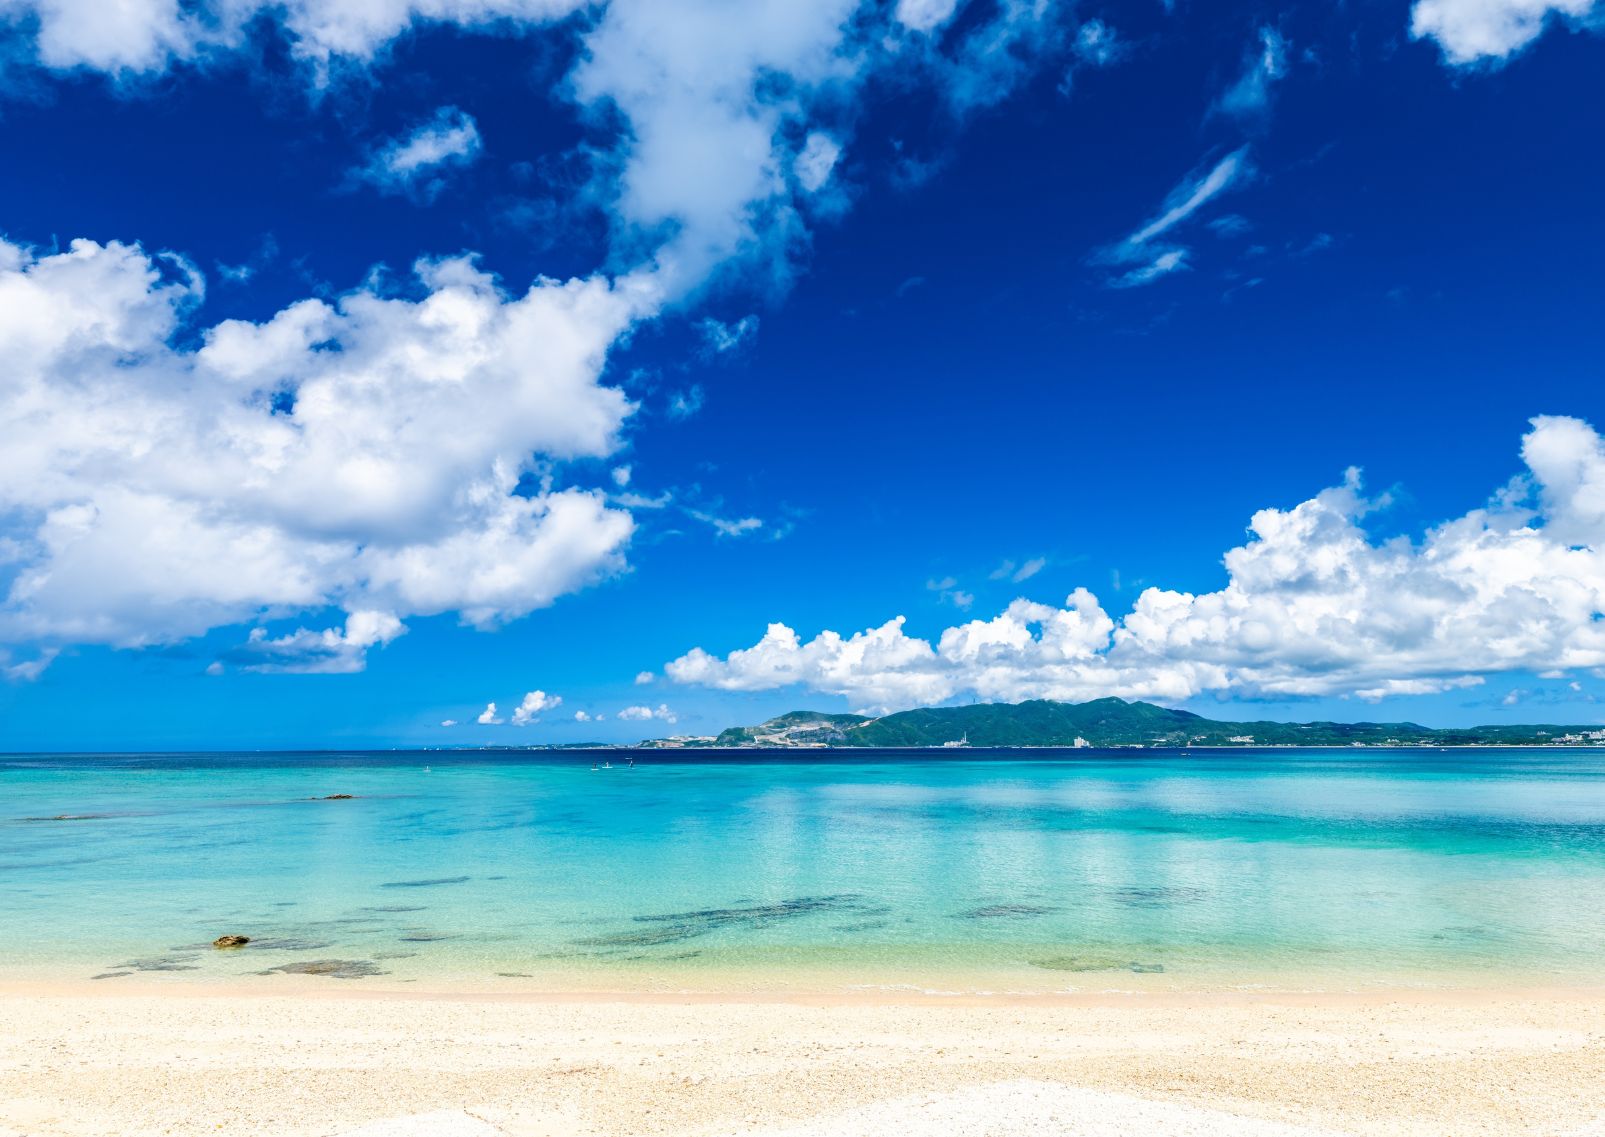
<point x="1106" y="722"/>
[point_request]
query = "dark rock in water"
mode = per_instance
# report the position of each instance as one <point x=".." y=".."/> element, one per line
<point x="421" y="937"/>
<point x="1005" y="911"/>
<point x="71" y="817"/>
<point x="224" y="942"/>
<point x="1085" y="963"/>
<point x="395" y="908"/>
<point x="335" y="797"/>
<point x="426" y="883"/>
<point x="333" y="968"/>
<point x="111" y="975"/>
<point x="289" y="943"/>
<point x="395" y="954"/>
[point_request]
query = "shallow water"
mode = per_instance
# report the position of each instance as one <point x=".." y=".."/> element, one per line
<point x="1050" y="871"/>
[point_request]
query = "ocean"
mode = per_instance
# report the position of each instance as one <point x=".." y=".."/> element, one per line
<point x="978" y="871"/>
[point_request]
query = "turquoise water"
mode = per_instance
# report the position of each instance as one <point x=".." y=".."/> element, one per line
<point x="1074" y="870"/>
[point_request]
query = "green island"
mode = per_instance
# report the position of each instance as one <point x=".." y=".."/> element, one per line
<point x="1109" y="722"/>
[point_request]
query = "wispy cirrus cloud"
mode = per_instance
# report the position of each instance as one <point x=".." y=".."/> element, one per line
<point x="1266" y="63"/>
<point x="417" y="164"/>
<point x="1151" y="252"/>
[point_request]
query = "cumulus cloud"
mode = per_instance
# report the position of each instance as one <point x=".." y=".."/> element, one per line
<point x="139" y="36"/>
<point x="489" y="717"/>
<point x="1150" y="249"/>
<point x="643" y="713"/>
<point x="391" y="451"/>
<point x="1312" y="606"/>
<point x="417" y="163"/>
<point x="533" y="705"/>
<point x="364" y="453"/>
<point x="332" y="651"/>
<point x="1491" y="31"/>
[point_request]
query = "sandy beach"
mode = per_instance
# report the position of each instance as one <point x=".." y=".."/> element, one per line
<point x="323" y="1060"/>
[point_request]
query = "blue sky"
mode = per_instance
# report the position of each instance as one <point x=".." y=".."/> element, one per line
<point x="1052" y="330"/>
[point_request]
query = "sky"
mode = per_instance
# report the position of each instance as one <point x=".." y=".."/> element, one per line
<point x="512" y="372"/>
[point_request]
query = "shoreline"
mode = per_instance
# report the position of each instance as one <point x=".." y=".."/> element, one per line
<point x="318" y="988"/>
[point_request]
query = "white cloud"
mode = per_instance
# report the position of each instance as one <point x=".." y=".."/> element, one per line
<point x="726" y="526"/>
<point x="1144" y="248"/>
<point x="1312" y="606"/>
<point x="27" y="670"/>
<point x="925" y="15"/>
<point x="642" y="678"/>
<point x="1251" y="94"/>
<point x="488" y="716"/>
<point x="645" y="713"/>
<point x="581" y="716"/>
<point x="332" y="651"/>
<point x="1192" y="194"/>
<point x="1491" y="31"/>
<point x="816" y="160"/>
<point x="621" y="476"/>
<point x="1029" y="569"/>
<point x="1098" y="45"/>
<point x="133" y="36"/>
<point x="375" y="453"/>
<point x="417" y="163"/>
<point x="535" y="702"/>
<point x="720" y="337"/>
<point x="685" y="404"/>
<point x="448" y="722"/>
<point x="151" y="492"/>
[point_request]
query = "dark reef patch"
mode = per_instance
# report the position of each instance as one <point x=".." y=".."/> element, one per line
<point x="332" y="968"/>
<point x="161" y="963"/>
<point x="1093" y="963"/>
<point x="1004" y="912"/>
<point x="426" y="883"/>
<point x="672" y="927"/>
<point x="1158" y="897"/>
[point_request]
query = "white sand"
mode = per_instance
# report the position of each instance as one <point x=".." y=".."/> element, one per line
<point x="338" y="1059"/>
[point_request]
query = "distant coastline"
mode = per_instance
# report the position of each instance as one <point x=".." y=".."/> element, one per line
<point x="1104" y="724"/>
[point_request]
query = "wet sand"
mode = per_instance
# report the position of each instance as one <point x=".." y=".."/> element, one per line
<point x="319" y="1056"/>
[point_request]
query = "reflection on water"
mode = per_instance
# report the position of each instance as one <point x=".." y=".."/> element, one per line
<point x="1240" y="864"/>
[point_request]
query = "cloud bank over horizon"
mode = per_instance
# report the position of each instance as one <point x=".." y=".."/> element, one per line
<point x="1313" y="606"/>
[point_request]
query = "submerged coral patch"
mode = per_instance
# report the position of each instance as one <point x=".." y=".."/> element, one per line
<point x="161" y="963"/>
<point x="1158" y="897"/>
<point x="672" y="927"/>
<point x="426" y="883"/>
<point x="1005" y="912"/>
<point x="332" y="968"/>
<point x="1093" y="963"/>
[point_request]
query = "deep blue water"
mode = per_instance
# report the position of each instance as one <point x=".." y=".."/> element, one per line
<point x="1030" y="869"/>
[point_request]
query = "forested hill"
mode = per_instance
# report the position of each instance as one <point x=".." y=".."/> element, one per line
<point x="1105" y="722"/>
